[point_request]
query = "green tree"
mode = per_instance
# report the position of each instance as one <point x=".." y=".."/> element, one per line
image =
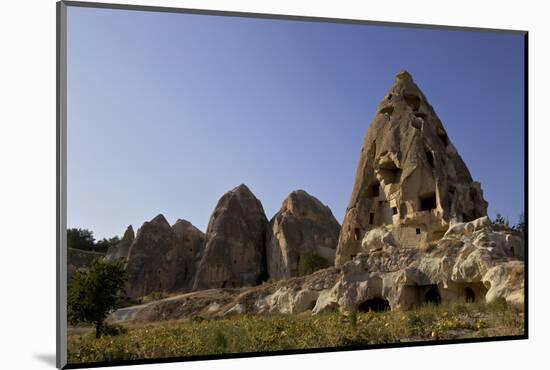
<point x="310" y="262"/>
<point x="104" y="244"/>
<point x="80" y="239"/>
<point x="94" y="292"/>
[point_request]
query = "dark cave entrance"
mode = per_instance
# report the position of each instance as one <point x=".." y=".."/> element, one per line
<point x="432" y="295"/>
<point x="374" y="304"/>
<point x="470" y="295"/>
<point x="427" y="202"/>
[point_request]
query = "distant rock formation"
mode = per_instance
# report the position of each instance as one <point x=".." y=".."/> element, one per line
<point x="190" y="248"/>
<point x="303" y="224"/>
<point x="234" y="254"/>
<point x="121" y="249"/>
<point x="409" y="175"/>
<point x="152" y="259"/>
<point x="161" y="258"/>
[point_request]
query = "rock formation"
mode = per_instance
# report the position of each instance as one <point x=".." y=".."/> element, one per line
<point x="234" y="254"/>
<point x="303" y="224"/>
<point x="121" y="249"/>
<point x="472" y="262"/>
<point x="409" y="175"/>
<point x="161" y="258"/>
<point x="190" y="247"/>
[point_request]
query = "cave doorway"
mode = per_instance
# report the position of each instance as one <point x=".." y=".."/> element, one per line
<point x="432" y="295"/>
<point x="374" y="304"/>
<point x="469" y="294"/>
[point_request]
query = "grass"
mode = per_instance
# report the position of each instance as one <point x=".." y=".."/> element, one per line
<point x="252" y="333"/>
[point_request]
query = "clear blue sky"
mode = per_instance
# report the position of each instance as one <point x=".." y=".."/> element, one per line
<point x="166" y="112"/>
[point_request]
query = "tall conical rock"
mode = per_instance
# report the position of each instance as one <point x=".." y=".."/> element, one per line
<point x="409" y="175"/>
<point x="303" y="224"/>
<point x="121" y="249"/>
<point x="160" y="258"/>
<point x="234" y="254"/>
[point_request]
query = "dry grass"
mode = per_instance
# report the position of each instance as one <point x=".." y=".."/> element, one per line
<point x="248" y="333"/>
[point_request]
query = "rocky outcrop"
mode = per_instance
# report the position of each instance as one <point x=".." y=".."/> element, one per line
<point x="409" y="176"/>
<point x="234" y="253"/>
<point x="162" y="258"/>
<point x="152" y="259"/>
<point x="190" y="246"/>
<point x="121" y="249"/>
<point x="472" y="262"/>
<point x="303" y="224"/>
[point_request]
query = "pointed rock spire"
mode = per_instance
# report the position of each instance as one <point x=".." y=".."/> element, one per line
<point x="409" y="175"/>
<point x="234" y="254"/>
<point x="303" y="225"/>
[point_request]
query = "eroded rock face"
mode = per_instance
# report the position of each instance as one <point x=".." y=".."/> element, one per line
<point x="409" y="176"/>
<point x="190" y="248"/>
<point x="121" y="249"/>
<point x="152" y="259"/>
<point x="472" y="262"/>
<point x="303" y="224"/>
<point x="234" y="254"/>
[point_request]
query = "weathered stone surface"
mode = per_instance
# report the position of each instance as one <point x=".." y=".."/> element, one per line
<point x="472" y="262"/>
<point x="163" y="258"/>
<point x="152" y="259"/>
<point x="190" y="246"/>
<point x="303" y="224"/>
<point x="234" y="253"/>
<point x="409" y="175"/>
<point x="121" y="249"/>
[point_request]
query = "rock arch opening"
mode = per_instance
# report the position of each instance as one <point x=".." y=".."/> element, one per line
<point x="387" y="110"/>
<point x="377" y="304"/>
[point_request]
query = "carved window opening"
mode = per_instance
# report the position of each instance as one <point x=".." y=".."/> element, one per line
<point x="387" y="110"/>
<point x="417" y="231"/>
<point x="390" y="173"/>
<point x="413" y="101"/>
<point x="444" y="139"/>
<point x="371" y="219"/>
<point x="427" y="202"/>
<point x="358" y="233"/>
<point x="374" y="190"/>
<point x="394" y="210"/>
<point x="430" y="158"/>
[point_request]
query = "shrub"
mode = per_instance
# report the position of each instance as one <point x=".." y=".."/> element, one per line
<point x="310" y="262"/>
<point x="94" y="292"/>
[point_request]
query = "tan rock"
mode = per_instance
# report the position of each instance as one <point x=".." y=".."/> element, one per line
<point x="409" y="176"/>
<point x="121" y="249"/>
<point x="303" y="224"/>
<point x="234" y="253"/>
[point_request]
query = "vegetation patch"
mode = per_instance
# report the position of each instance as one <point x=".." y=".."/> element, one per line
<point x="252" y="333"/>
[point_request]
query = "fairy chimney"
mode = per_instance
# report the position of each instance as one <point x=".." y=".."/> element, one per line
<point x="410" y="176"/>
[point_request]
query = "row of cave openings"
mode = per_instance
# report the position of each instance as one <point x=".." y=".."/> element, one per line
<point x="414" y="102"/>
<point x="431" y="296"/>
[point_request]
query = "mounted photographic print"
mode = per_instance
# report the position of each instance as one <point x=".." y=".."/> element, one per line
<point x="234" y="184"/>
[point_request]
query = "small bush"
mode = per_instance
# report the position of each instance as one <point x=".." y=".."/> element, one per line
<point x="310" y="262"/>
<point x="113" y="329"/>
